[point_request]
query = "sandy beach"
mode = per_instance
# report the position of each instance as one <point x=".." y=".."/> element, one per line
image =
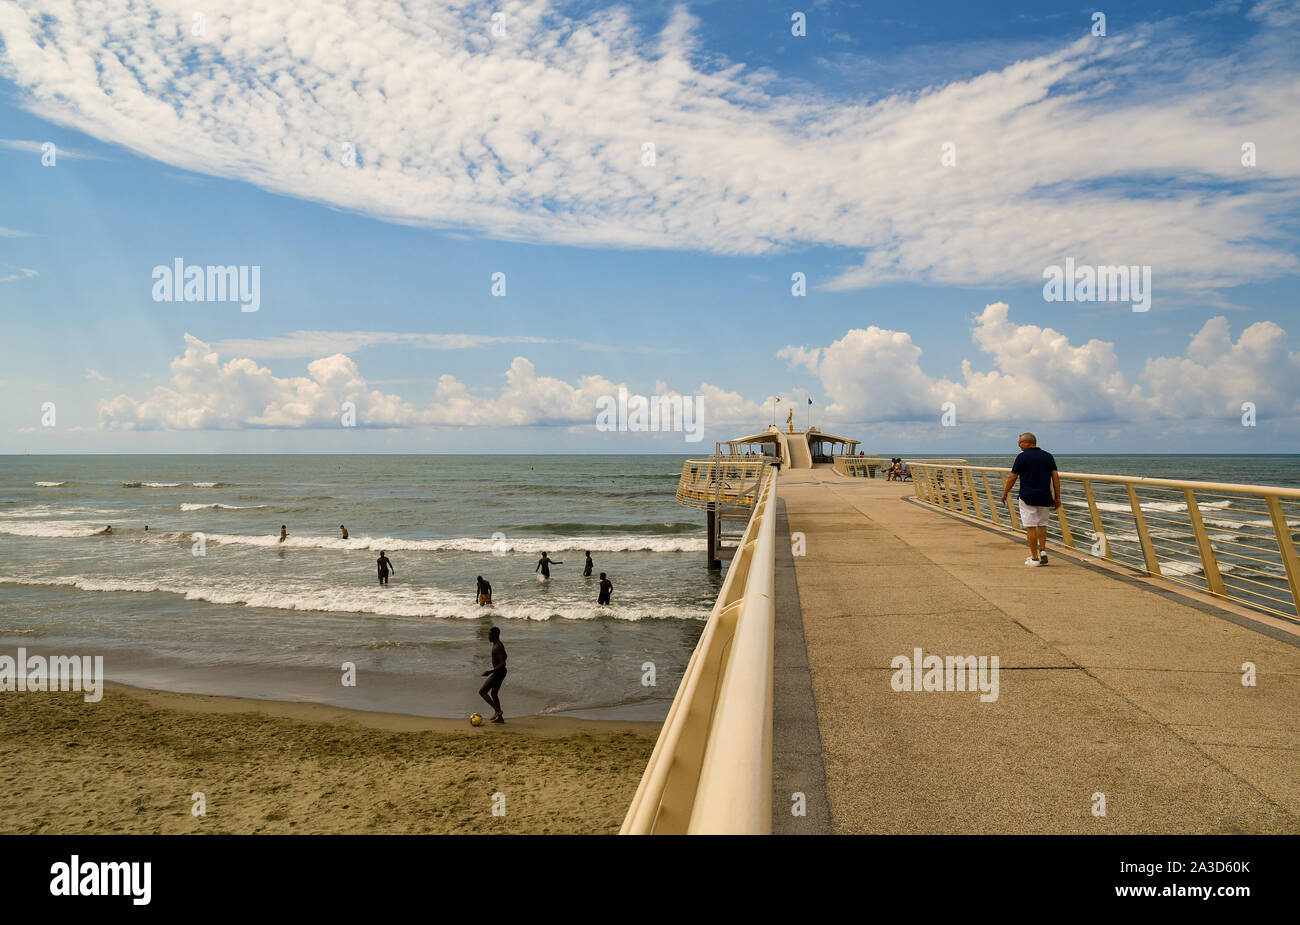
<point x="132" y="762"/>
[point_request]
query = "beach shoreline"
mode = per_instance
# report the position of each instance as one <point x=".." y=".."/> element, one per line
<point x="135" y="761"/>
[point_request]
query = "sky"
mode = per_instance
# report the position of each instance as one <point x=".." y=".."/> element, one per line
<point x="461" y="227"/>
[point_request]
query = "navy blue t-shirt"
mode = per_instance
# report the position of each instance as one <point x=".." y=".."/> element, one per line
<point x="1035" y="468"/>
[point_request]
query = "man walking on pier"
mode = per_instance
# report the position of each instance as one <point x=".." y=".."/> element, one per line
<point x="1040" y="492"/>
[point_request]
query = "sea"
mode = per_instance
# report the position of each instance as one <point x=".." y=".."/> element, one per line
<point x="207" y="599"/>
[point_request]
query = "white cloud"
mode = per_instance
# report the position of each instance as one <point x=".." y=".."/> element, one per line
<point x="316" y="343"/>
<point x="206" y="393"/>
<point x="867" y="376"/>
<point x="1217" y="375"/>
<point x="875" y="375"/>
<point x="11" y="233"/>
<point x="37" y="147"/>
<point x="21" y="274"/>
<point x="538" y="135"/>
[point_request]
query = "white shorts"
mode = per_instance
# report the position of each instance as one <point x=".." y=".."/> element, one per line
<point x="1033" y="516"/>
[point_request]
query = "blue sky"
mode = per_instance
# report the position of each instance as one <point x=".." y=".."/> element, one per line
<point x="523" y="154"/>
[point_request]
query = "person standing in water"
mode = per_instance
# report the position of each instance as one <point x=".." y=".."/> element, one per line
<point x="544" y="565"/>
<point x="284" y="534"/>
<point x="385" y="566"/>
<point x="484" y="593"/>
<point x="345" y="531"/>
<point x="586" y="569"/>
<point x="495" y="675"/>
<point x="606" y="589"/>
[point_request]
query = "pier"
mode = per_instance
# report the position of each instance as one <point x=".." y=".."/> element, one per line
<point x="1120" y="705"/>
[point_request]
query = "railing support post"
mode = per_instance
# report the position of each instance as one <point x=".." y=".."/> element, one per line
<point x="1286" y="546"/>
<point x="1098" y="528"/>
<point x="968" y="476"/>
<point x="1209" y="564"/>
<point x="1140" y="521"/>
<point x="714" y="561"/>
<point x="988" y="493"/>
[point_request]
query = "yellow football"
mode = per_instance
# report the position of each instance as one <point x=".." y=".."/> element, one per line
<point x="475" y="720"/>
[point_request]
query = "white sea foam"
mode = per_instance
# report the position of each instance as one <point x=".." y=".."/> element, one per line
<point x="49" y="484"/>
<point x="204" y="484"/>
<point x="393" y="602"/>
<point x="1174" y="507"/>
<point x="52" y="528"/>
<point x="483" y="544"/>
<point x="1192" y="567"/>
<point x="224" y="507"/>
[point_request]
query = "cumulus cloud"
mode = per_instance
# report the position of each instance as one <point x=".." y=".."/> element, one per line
<point x="1217" y="375"/>
<point x="21" y="274"/>
<point x="1120" y="150"/>
<point x="206" y="393"/>
<point x="874" y="374"/>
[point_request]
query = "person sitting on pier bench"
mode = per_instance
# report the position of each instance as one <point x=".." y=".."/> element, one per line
<point x="1040" y="492"/>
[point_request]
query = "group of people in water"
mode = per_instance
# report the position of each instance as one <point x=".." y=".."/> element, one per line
<point x="483" y="592"/>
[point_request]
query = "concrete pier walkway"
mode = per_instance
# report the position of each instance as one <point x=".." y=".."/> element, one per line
<point x="1106" y="686"/>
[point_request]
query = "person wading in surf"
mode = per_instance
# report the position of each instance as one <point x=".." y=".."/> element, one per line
<point x="544" y="565"/>
<point x="385" y="566"/>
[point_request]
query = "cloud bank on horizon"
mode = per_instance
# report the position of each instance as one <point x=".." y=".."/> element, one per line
<point x="869" y="375"/>
<point x="422" y="115"/>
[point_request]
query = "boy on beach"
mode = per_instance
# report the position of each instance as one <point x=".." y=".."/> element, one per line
<point x="606" y="589"/>
<point x="484" y="593"/>
<point x="586" y="569"/>
<point x="385" y="566"/>
<point x="495" y="675"/>
<point x="1040" y="493"/>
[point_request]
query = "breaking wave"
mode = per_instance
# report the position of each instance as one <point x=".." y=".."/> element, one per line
<point x="483" y="544"/>
<point x="393" y="602"/>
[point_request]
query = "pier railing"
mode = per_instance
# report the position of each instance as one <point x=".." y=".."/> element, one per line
<point x="1235" y="542"/>
<point x="711" y="770"/>
<point x="708" y="483"/>
<point x="861" y="467"/>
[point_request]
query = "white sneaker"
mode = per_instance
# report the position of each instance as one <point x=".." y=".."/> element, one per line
<point x="1034" y="562"/>
<point x="1042" y="558"/>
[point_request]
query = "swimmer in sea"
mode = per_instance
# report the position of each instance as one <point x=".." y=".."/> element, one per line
<point x="108" y="530"/>
<point x="586" y="569"/>
<point x="385" y="566"/>
<point x="495" y="675"/>
<point x="484" y="593"/>
<point x="606" y="589"/>
<point x="345" y="531"/>
<point x="284" y="534"/>
<point x="544" y="565"/>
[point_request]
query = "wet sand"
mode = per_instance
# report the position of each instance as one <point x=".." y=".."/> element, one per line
<point x="133" y="762"/>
